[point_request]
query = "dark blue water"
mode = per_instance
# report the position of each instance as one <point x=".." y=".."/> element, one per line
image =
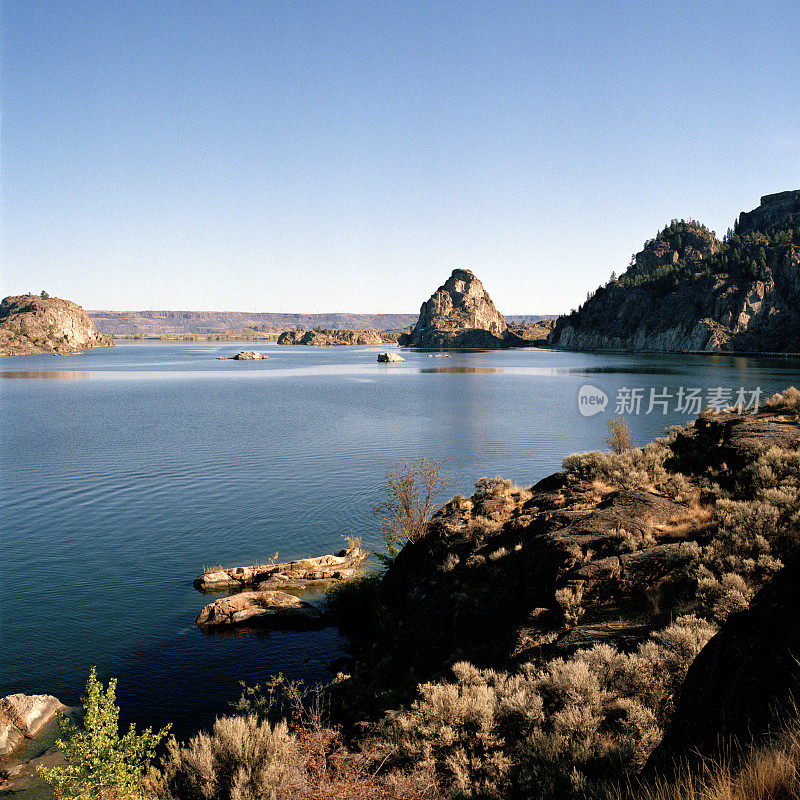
<point x="125" y="470"/>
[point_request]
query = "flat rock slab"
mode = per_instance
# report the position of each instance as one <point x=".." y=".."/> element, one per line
<point x="276" y="609"/>
<point x="22" y="716"/>
<point x="319" y="571"/>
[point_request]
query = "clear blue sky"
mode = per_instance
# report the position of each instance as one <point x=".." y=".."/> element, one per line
<point x="337" y="156"/>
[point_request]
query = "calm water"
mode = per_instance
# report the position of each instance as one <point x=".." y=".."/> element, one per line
<point x="125" y="470"/>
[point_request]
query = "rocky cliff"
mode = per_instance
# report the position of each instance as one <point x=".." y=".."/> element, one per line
<point x="688" y="291"/>
<point x="31" y="324"/>
<point x="459" y="314"/>
<point x="330" y="338"/>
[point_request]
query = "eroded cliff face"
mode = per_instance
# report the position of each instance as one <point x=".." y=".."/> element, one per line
<point x="687" y="291"/>
<point x="459" y="314"/>
<point x="30" y="324"/>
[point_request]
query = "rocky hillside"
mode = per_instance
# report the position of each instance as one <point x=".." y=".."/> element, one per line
<point x="688" y="291"/>
<point x="459" y="314"/>
<point x="330" y="338"/>
<point x="606" y="551"/>
<point x="32" y="324"/>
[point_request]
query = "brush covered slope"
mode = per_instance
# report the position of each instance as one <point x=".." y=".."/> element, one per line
<point x="31" y="324"/>
<point x="533" y="641"/>
<point x="688" y="291"/>
<point x="326" y="337"/>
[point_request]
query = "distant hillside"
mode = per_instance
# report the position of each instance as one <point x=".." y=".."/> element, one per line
<point x="176" y="323"/>
<point x="688" y="291"/>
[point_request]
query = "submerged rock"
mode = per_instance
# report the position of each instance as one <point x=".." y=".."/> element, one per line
<point x="390" y="358"/>
<point x="304" y="572"/>
<point x="277" y="609"/>
<point x="439" y="355"/>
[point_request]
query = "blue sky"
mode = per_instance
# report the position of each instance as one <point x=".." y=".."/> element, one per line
<point x="336" y="156"/>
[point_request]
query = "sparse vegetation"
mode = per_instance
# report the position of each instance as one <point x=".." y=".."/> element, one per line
<point x="410" y="492"/>
<point x="619" y="440"/>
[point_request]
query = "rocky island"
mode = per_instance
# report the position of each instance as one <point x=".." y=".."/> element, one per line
<point x="330" y="338"/>
<point x="33" y="324"/>
<point x="688" y="291"/>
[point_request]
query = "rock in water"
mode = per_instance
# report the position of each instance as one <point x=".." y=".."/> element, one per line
<point x="277" y="609"/>
<point x="22" y="717"/>
<point x="299" y="574"/>
<point x="330" y="338"/>
<point x="460" y="314"/>
<point x="390" y="358"/>
<point x="249" y="355"/>
<point x="30" y="324"/>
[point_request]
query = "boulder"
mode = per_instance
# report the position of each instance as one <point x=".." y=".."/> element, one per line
<point x="271" y="608"/>
<point x="305" y="572"/>
<point x="390" y="358"/>
<point x="23" y="716"/>
<point x="249" y="355"/>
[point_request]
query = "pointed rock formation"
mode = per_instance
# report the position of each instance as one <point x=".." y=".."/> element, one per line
<point x="460" y="314"/>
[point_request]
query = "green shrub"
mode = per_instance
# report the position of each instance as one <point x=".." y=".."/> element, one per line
<point x="98" y="763"/>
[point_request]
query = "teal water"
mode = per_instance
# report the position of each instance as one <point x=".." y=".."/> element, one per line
<point x="125" y="470"/>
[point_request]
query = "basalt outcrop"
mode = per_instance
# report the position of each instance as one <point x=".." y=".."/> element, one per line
<point x="460" y="314"/>
<point x="586" y="556"/>
<point x="30" y="324"/>
<point x="331" y="338"/>
<point x="688" y="291"/>
<point x="292" y="575"/>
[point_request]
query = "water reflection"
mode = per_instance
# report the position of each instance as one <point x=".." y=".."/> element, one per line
<point x="66" y="374"/>
<point x="462" y="369"/>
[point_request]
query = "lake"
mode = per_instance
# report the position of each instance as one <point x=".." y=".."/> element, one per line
<point x="126" y="470"/>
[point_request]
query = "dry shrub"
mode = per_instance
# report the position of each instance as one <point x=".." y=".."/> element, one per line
<point x="789" y="399"/>
<point x="247" y="758"/>
<point x="634" y="469"/>
<point x="554" y="731"/>
<point x="619" y="440"/>
<point x="241" y="759"/>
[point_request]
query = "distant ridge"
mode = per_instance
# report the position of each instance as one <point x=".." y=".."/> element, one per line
<point x="163" y="323"/>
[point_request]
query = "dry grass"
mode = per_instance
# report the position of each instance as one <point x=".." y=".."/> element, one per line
<point x="768" y="772"/>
